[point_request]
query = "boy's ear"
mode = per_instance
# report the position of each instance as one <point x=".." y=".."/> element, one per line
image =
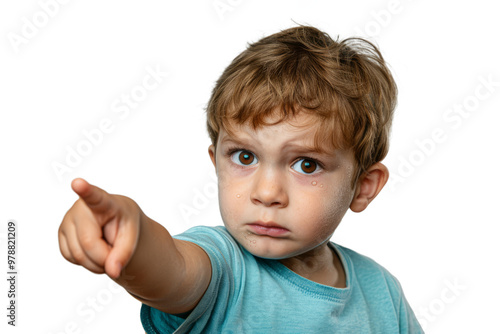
<point x="368" y="186"/>
<point x="211" y="152"/>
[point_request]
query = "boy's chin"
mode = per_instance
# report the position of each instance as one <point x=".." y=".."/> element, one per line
<point x="267" y="253"/>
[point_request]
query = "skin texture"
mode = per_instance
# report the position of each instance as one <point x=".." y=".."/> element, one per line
<point x="271" y="175"/>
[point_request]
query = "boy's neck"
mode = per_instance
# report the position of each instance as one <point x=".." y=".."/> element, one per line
<point x="320" y="265"/>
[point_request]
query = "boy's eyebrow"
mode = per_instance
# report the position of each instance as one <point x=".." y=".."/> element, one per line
<point x="300" y="148"/>
<point x="227" y="139"/>
<point x="307" y="149"/>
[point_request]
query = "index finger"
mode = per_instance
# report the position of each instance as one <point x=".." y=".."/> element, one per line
<point x="96" y="199"/>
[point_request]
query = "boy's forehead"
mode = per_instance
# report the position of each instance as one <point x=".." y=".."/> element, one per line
<point x="299" y="131"/>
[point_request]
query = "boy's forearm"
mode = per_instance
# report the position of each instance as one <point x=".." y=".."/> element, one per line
<point x="156" y="268"/>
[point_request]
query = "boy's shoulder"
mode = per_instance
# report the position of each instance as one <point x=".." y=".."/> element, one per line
<point x="202" y="233"/>
<point x="215" y="240"/>
<point x="366" y="272"/>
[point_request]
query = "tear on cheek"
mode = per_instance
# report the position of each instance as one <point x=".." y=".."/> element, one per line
<point x="315" y="183"/>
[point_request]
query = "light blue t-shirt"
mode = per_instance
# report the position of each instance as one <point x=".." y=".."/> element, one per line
<point x="248" y="294"/>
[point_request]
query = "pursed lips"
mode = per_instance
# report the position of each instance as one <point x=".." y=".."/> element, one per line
<point x="268" y="228"/>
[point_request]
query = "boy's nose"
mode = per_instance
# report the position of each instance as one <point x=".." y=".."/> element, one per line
<point x="269" y="189"/>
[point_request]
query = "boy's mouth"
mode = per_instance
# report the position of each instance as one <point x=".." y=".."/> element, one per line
<point x="268" y="228"/>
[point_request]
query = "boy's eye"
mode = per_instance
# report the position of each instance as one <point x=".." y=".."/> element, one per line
<point x="305" y="166"/>
<point x="242" y="157"/>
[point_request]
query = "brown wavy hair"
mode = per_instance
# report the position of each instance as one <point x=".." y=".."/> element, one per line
<point x="346" y="84"/>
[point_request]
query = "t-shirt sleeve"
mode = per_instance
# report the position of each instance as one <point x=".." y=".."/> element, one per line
<point x="226" y="260"/>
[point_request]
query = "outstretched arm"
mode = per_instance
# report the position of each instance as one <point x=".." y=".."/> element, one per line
<point x="110" y="234"/>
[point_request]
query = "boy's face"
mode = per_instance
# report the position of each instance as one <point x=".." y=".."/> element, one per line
<point x="279" y="198"/>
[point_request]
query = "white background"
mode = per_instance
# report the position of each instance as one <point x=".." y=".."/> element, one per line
<point x="434" y="227"/>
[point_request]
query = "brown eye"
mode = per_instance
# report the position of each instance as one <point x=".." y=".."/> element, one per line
<point x="305" y="166"/>
<point x="308" y="166"/>
<point x="245" y="157"/>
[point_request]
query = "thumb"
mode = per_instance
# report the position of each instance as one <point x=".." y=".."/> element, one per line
<point x="94" y="197"/>
<point x="123" y="249"/>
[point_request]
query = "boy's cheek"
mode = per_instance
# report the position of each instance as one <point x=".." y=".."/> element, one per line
<point x="234" y="179"/>
<point x="230" y="213"/>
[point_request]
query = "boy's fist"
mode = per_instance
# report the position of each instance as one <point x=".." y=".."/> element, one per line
<point x="100" y="231"/>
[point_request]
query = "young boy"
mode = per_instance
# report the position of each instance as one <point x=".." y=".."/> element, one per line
<point x="299" y="124"/>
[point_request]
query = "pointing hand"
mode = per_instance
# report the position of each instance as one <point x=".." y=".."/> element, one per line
<point x="100" y="231"/>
